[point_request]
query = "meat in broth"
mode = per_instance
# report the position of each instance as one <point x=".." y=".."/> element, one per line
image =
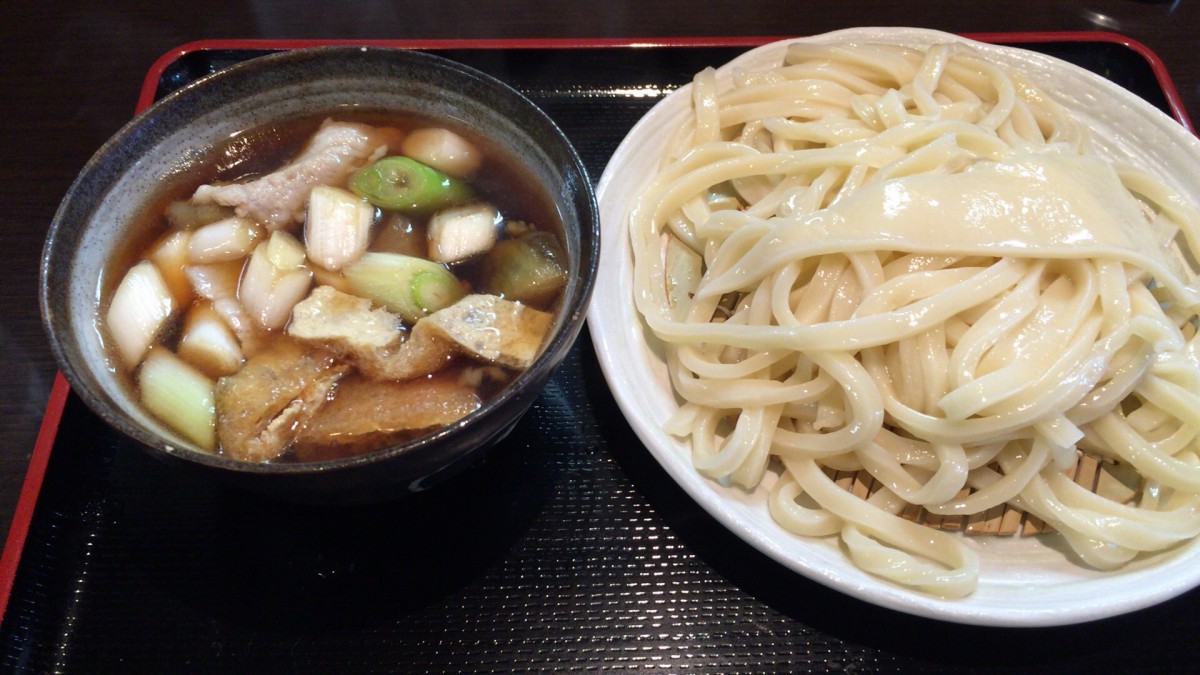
<point x="382" y="278"/>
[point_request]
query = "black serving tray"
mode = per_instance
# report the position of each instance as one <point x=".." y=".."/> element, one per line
<point x="568" y="549"/>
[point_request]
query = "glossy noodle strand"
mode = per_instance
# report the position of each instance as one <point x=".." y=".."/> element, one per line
<point x="913" y="264"/>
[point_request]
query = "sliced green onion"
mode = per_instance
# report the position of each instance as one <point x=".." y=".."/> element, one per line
<point x="404" y="184"/>
<point x="179" y="395"/>
<point x="432" y="291"/>
<point x="530" y="269"/>
<point x="409" y="286"/>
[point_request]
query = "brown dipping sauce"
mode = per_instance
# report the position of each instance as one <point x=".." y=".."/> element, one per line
<point x="501" y="180"/>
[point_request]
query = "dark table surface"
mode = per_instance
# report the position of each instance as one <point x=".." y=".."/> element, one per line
<point x="70" y="74"/>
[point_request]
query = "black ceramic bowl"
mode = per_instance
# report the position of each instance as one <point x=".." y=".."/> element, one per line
<point x="130" y="168"/>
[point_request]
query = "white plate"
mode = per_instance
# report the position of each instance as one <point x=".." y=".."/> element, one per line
<point x="1023" y="582"/>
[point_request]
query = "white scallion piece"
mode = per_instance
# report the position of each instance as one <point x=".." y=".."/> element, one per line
<point x="249" y="333"/>
<point x="170" y="256"/>
<point x="139" y="308"/>
<point x="285" y="251"/>
<point x="218" y="283"/>
<point x="337" y="228"/>
<point x="444" y="150"/>
<point x="179" y="395"/>
<point x="462" y="232"/>
<point x="208" y="342"/>
<point x="274" y="280"/>
<point x="289" y="290"/>
<point x="258" y="280"/>
<point x="215" y="281"/>
<point x="227" y="239"/>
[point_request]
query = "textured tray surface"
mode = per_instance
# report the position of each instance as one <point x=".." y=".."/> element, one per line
<point x="569" y="549"/>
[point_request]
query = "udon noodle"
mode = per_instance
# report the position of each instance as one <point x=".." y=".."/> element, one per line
<point x="913" y="263"/>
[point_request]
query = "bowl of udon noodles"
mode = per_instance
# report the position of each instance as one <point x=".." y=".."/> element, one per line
<point x="331" y="274"/>
<point x="915" y="316"/>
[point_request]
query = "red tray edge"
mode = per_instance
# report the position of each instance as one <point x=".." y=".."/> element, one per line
<point x="31" y="487"/>
<point x="14" y="545"/>
<point x="156" y="70"/>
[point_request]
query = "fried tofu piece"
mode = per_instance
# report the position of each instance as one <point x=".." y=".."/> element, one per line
<point x="343" y="323"/>
<point x="366" y="414"/>
<point x="262" y="407"/>
<point x="422" y="353"/>
<point x="492" y="329"/>
<point x="370" y="339"/>
<point x="484" y="327"/>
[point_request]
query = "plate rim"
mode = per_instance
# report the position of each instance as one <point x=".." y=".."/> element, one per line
<point x="1161" y="577"/>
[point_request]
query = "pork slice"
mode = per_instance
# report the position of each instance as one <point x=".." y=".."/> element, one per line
<point x="262" y="407"/>
<point x="366" y="414"/>
<point x="370" y="339"/>
<point x="278" y="200"/>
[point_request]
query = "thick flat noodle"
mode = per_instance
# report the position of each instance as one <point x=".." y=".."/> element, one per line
<point x="1045" y="205"/>
<point x="915" y="269"/>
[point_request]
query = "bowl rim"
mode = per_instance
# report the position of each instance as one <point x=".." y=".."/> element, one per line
<point x="568" y="325"/>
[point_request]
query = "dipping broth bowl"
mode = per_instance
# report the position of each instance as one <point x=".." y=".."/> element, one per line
<point x="105" y="199"/>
